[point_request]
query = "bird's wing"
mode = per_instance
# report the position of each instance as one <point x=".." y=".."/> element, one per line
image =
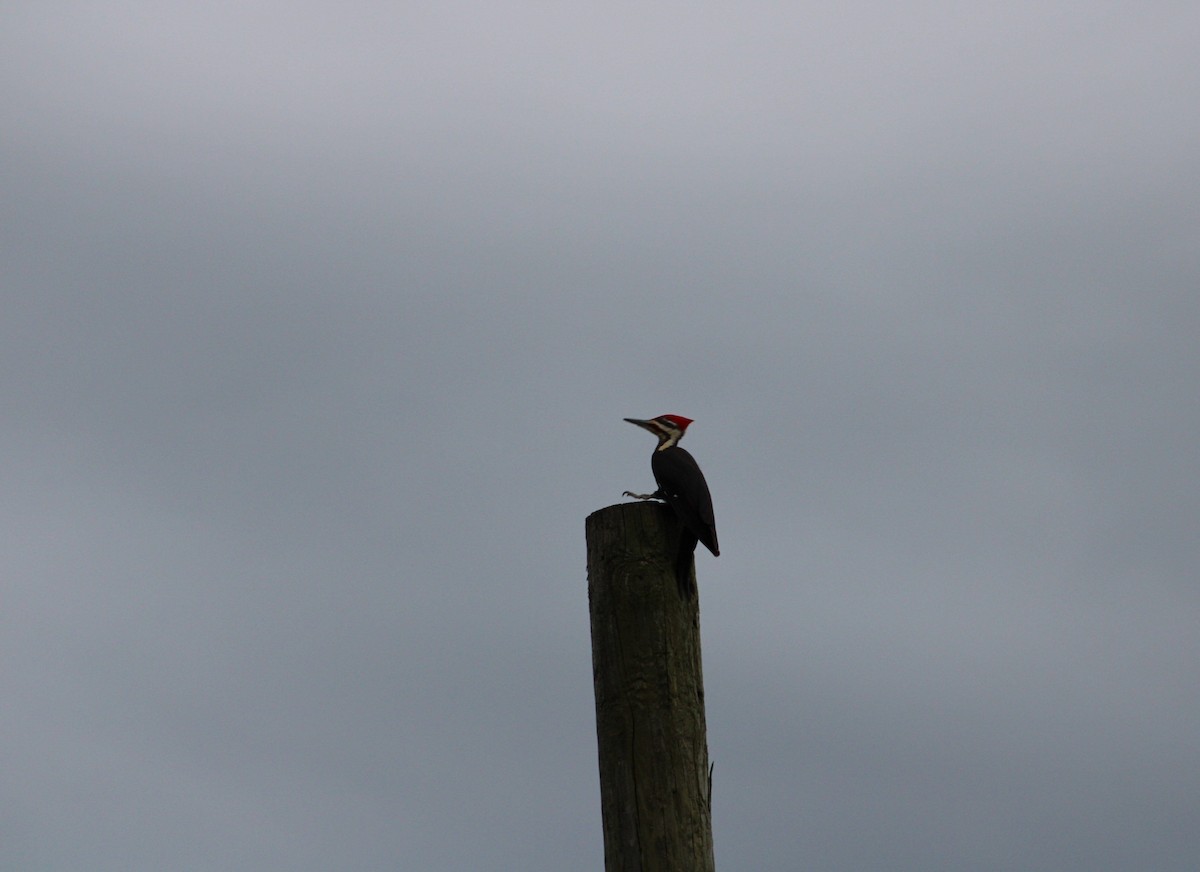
<point x="682" y="483"/>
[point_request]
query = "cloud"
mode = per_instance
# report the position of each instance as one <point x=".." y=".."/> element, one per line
<point x="319" y="329"/>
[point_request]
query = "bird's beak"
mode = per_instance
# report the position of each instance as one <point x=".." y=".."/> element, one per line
<point x="640" y="422"/>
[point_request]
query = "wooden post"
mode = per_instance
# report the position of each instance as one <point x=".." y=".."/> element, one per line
<point x="655" y="781"/>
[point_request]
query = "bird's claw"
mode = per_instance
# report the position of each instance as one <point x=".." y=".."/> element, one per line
<point x="639" y="496"/>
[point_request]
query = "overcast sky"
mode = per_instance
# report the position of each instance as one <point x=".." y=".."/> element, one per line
<point x="319" y="323"/>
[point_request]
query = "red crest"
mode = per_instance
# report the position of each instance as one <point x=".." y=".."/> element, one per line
<point x="678" y="420"/>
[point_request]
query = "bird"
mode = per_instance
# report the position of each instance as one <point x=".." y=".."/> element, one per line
<point x="682" y="486"/>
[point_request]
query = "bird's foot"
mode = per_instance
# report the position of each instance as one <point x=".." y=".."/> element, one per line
<point x="653" y="496"/>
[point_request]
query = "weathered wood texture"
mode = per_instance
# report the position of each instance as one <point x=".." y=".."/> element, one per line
<point x="655" y="787"/>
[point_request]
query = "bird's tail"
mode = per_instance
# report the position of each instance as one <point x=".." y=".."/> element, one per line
<point x="683" y="565"/>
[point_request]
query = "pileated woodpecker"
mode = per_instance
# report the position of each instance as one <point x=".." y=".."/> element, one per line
<point x="681" y="484"/>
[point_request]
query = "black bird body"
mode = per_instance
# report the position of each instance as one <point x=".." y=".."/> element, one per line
<point x="682" y="486"/>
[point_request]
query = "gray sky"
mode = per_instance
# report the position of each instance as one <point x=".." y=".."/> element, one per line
<point x="319" y="324"/>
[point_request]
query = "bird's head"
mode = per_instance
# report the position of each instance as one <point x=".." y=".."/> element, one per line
<point x="668" y="428"/>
